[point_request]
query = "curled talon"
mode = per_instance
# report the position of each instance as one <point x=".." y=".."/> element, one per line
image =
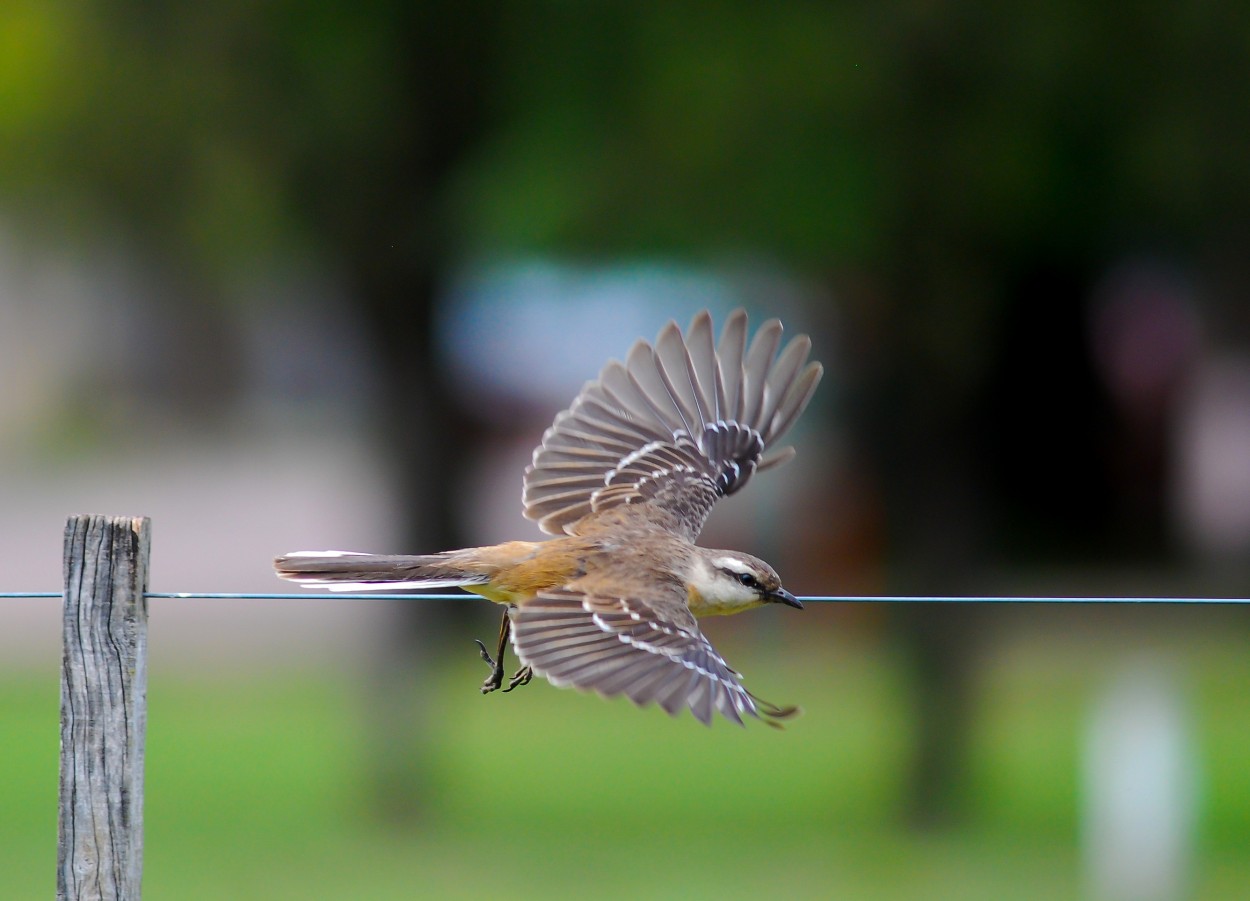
<point x="495" y="679"/>
<point x="519" y="678"/>
<point x="485" y="655"/>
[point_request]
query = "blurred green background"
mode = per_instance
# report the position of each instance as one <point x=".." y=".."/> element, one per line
<point x="299" y="275"/>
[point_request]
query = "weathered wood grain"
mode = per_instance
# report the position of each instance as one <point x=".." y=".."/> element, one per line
<point x="103" y="709"/>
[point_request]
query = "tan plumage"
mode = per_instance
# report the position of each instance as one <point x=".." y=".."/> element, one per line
<point x="624" y="479"/>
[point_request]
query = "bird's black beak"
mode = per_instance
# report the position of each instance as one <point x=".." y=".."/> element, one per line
<point x="781" y="596"/>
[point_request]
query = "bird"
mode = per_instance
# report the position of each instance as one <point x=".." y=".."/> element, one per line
<point x="623" y="481"/>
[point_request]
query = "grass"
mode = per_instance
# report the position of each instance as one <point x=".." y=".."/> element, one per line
<point x="258" y="788"/>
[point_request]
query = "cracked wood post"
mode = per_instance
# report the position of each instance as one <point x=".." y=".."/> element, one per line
<point x="103" y="709"/>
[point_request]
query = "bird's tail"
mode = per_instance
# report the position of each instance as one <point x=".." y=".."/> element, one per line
<point x="353" y="571"/>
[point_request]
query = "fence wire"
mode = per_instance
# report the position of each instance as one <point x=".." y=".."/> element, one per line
<point x="814" y="599"/>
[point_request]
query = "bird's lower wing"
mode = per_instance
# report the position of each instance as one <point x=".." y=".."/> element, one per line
<point x="626" y="646"/>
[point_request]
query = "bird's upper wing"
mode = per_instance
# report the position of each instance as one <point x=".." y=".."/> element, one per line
<point x="647" y="651"/>
<point x="679" y="424"/>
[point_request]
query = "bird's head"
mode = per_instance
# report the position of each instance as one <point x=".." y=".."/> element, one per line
<point x="731" y="581"/>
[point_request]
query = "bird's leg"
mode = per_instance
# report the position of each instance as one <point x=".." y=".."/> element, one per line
<point x="495" y="679"/>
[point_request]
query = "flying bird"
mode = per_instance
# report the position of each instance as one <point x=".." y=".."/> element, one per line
<point x="624" y="479"/>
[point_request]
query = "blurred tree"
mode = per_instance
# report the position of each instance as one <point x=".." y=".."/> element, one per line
<point x="224" y="137"/>
<point x="947" y="168"/>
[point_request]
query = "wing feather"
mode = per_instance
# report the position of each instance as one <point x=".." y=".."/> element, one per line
<point x="622" y="388"/>
<point x="689" y="419"/>
<point x="676" y="370"/>
<point x="781" y="377"/>
<point x="759" y="361"/>
<point x="678" y="425"/>
<point x="644" y="372"/>
<point x="647" y="651"/>
<point x="702" y="354"/>
<point x="795" y="401"/>
<point x="678" y="357"/>
<point x="731" y="351"/>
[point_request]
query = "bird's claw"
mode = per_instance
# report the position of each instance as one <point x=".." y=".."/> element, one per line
<point x="485" y="653"/>
<point x="495" y="679"/>
<point x="519" y="678"/>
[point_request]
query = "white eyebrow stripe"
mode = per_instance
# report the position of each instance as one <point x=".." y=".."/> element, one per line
<point x="733" y="564"/>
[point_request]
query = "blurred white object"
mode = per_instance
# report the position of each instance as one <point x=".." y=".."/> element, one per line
<point x="532" y="331"/>
<point x="1139" y="790"/>
<point x="1212" y="499"/>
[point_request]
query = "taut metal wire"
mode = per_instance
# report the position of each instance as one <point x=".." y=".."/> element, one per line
<point x="815" y="599"/>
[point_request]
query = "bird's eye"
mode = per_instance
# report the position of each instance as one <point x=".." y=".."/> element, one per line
<point x="748" y="580"/>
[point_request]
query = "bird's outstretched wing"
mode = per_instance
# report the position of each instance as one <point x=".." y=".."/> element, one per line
<point x="625" y="646"/>
<point x="679" y="424"/>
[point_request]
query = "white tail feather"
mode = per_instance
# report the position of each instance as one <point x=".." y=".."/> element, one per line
<point x="327" y="554"/>
<point x="380" y="586"/>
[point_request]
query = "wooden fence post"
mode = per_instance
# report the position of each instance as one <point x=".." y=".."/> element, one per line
<point x="103" y="709"/>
